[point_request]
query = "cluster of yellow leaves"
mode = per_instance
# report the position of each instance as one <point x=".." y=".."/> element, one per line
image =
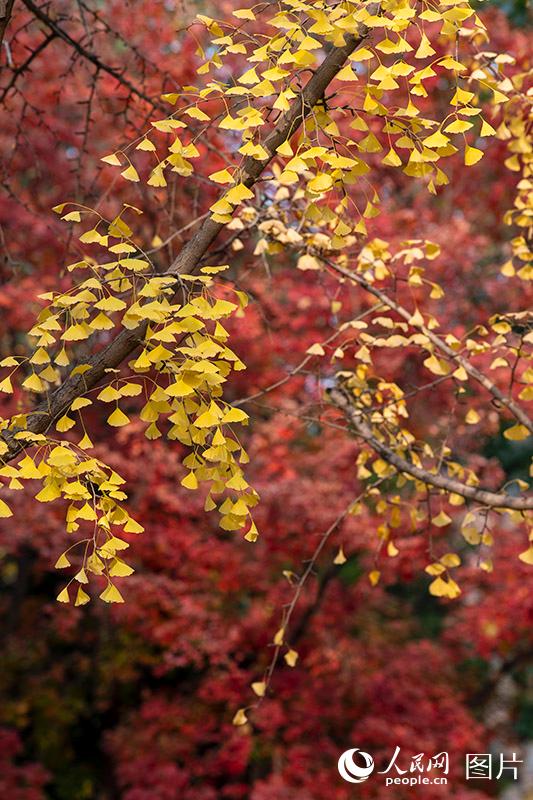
<point x="185" y="359"/>
<point x="384" y="77"/>
<point x="93" y="493"/>
<point x="313" y="172"/>
<point x="443" y="584"/>
<point x="512" y="112"/>
<point x="382" y="406"/>
<point x="89" y="307"/>
<point x="180" y="370"/>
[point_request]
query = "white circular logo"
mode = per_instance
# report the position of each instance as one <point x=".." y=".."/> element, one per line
<point x="352" y="772"/>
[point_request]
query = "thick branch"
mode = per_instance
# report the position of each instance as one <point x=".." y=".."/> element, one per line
<point x="474" y="373"/>
<point x="439" y="481"/>
<point x="189" y="259"/>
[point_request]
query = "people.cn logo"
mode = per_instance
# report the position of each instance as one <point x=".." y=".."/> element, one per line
<point x="352" y="772"/>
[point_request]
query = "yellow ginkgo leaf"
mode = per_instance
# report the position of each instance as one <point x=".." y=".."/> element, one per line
<point x="240" y="717"/>
<point x="516" y="433"/>
<point x="112" y="159"/>
<point x="86" y="512"/>
<point x="437" y="139"/>
<point x="486" y="129"/>
<point x="130" y="390"/>
<point x="461" y="97"/>
<point x="72" y="216"/>
<point x="237" y="194"/>
<point x="6" y="386"/>
<point x="111" y="594"/>
<point x="437" y="365"/>
<point x="62" y="359"/>
<point x="472" y="155"/>
<point x="320" y="183"/>
<point x="40" y="357"/>
<point x="9" y="361"/>
<point x="81" y="576"/>
<point x="235" y="415"/>
<point x="118" y="418"/>
<point x="81" y="597"/>
<point x="392" y="159"/>
<point x="65" y="424"/>
<point x="62" y="562"/>
<point x="132" y="526"/>
<point x="101" y="322"/>
<point x="362" y="54"/>
<point x="113" y="544"/>
<point x="197" y="113"/>
<point x="450" y="560"/>
<point x="285" y="149"/>
<point x="33" y="383"/>
<point x="244" y="13"/>
<point x="458" y="126"/>
<point x="308" y="262"/>
<point x="63" y="596"/>
<point x="374" y="577"/>
<point x="316" y="350"/>
<point x="147" y="145"/>
<point x="347" y="74"/>
<point x="392" y="550"/>
<point x="179" y="389"/>
<point x="416" y="318"/>
<point x="130" y="173"/>
<point x="291" y="657"/>
<point x="424" y="49"/>
<point x="80" y="402"/>
<point x="441" y="520"/>
<point x="527" y="556"/>
<point x="85" y="443"/>
<point x="190" y="481"/>
<point x="259" y="688"/>
<point x="119" y="569"/>
<point x="435" y="569"/>
<point x="28" y="470"/>
<point x="5" y="511"/>
<point x="208" y="418"/>
<point x="472" y="418"/>
<point x="249" y="78"/>
<point x="221" y="206"/>
<point x="222" y="176"/>
<point x="278" y="637"/>
<point x="152" y="432"/>
<point x="438" y="587"/>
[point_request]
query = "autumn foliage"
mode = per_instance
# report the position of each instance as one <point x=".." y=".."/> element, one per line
<point x="225" y="674"/>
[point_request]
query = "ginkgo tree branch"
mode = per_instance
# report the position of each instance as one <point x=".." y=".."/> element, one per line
<point x="515" y="409"/>
<point x="190" y="257"/>
<point x="363" y="429"/>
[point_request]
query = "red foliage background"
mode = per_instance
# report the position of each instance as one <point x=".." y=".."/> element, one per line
<point x="136" y="701"/>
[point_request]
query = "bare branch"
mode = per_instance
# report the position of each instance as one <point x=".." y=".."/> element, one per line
<point x="25" y="66"/>
<point x="6" y="10"/>
<point x="87" y="54"/>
